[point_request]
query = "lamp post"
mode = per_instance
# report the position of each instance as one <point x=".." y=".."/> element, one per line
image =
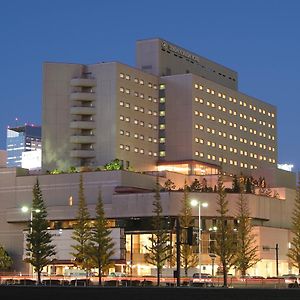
<point x="25" y="209"/>
<point x="194" y="203"/>
<point x="213" y="257"/>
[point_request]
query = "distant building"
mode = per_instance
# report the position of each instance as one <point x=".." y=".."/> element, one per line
<point x="22" y="139"/>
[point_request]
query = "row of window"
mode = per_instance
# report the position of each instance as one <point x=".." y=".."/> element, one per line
<point x="234" y="112"/>
<point x="137" y="122"/>
<point x="139" y="81"/>
<point x="235" y="138"/>
<point x="234" y="100"/>
<point x="138" y="108"/>
<point x="137" y="150"/>
<point x="242" y="128"/>
<point x="234" y="150"/>
<point x="137" y="136"/>
<point x="232" y="124"/>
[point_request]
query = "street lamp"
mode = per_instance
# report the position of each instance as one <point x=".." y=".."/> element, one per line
<point x="194" y="203"/>
<point x="26" y="209"/>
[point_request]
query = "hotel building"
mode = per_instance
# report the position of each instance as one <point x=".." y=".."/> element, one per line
<point x="177" y="113"/>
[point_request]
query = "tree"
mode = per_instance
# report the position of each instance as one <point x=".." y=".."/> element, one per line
<point x="102" y="246"/>
<point x="169" y="185"/>
<point x="188" y="257"/>
<point x="160" y="249"/>
<point x="82" y="232"/>
<point x="224" y="247"/>
<point x="196" y="186"/>
<point x="5" y="260"/>
<point x="248" y="186"/>
<point x="115" y="164"/>
<point x="39" y="241"/>
<point x="235" y="184"/>
<point x="246" y="251"/>
<point x="294" y="251"/>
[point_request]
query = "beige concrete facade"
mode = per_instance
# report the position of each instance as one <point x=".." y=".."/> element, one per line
<point x="271" y="216"/>
<point x="208" y="122"/>
<point x="3" y="156"/>
<point x="94" y="114"/>
<point x="162" y="58"/>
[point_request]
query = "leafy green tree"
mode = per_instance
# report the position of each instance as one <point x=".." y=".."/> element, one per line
<point x="294" y="251"/>
<point x="160" y="250"/>
<point x="102" y="246"/>
<point x="246" y="251"/>
<point x="115" y="164"/>
<point x="39" y="248"/>
<point x="188" y="256"/>
<point x="5" y="260"/>
<point x="82" y="232"/>
<point x="224" y="246"/>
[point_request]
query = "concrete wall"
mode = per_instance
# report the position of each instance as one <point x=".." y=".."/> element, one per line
<point x="56" y="115"/>
<point x="162" y="58"/>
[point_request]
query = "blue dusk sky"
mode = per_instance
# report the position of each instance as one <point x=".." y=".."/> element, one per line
<point x="259" y="39"/>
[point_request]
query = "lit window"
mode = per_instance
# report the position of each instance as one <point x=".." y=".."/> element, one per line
<point x="136" y="80"/>
<point x="219" y="95"/>
<point x="121" y="146"/>
<point x="122" y="118"/>
<point x="162" y="113"/>
<point x="196" y="112"/>
<point x="136" y="150"/>
<point x="201" y="100"/>
<point x="136" y="122"/>
<point x="127" y="148"/>
<point x="121" y="103"/>
<point x="121" y="132"/>
<point x="162" y="100"/>
<point x="142" y="123"/>
<point x="127" y="77"/>
<point x="196" y="86"/>
<point x="142" y="151"/>
<point x="149" y="98"/>
<point x="122" y="89"/>
<point x="162" y="126"/>
<point x="127" y="105"/>
<point x="162" y="153"/>
<point x="127" y="91"/>
<point x="149" y="139"/>
<point x="136" y="107"/>
<point x="127" y="133"/>
<point x="149" y="112"/>
<point x="162" y="86"/>
<point x="136" y="94"/>
<point x="141" y="82"/>
<point x="196" y="153"/>
<point x="142" y="96"/>
<point x="201" y="154"/>
<point x="149" y="84"/>
<point x="127" y="119"/>
<point x="208" y="103"/>
<point x="136" y="136"/>
<point x="213" y="104"/>
<point x="155" y="86"/>
<point x="162" y="140"/>
<point x="121" y="75"/>
<point x="149" y="125"/>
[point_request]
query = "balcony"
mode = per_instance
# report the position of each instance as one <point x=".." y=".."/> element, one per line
<point x="83" y="96"/>
<point x="83" y="139"/>
<point x="85" y="82"/>
<point x="82" y="153"/>
<point x="82" y="125"/>
<point x="82" y="110"/>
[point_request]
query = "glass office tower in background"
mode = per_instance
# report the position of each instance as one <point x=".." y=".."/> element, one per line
<point x="22" y="139"/>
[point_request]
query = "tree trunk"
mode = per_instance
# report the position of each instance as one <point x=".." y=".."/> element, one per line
<point x="99" y="274"/>
<point x="39" y="277"/>
<point x="158" y="277"/>
<point x="225" y="275"/>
